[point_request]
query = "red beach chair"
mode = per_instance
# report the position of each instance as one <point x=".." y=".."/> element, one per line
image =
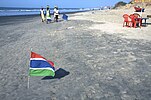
<point x="138" y="19"/>
<point x="135" y="20"/>
<point x="127" y="21"/>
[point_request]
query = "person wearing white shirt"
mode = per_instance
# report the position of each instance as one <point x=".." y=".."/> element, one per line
<point x="56" y="14"/>
<point x="42" y="14"/>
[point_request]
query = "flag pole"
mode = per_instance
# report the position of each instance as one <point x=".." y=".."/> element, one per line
<point x="28" y="83"/>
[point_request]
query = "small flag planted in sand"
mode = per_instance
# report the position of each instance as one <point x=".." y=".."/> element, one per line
<point x="39" y="66"/>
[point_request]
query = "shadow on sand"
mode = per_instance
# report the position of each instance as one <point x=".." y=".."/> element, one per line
<point x="54" y="21"/>
<point x="60" y="73"/>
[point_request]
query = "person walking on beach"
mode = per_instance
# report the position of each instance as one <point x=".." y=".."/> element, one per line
<point x="48" y="15"/>
<point x="56" y="14"/>
<point x="42" y="14"/>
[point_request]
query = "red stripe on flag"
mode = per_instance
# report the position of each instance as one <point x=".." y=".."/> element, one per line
<point x="50" y="62"/>
<point x="35" y="55"/>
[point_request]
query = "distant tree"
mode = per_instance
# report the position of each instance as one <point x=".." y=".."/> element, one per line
<point x="120" y="3"/>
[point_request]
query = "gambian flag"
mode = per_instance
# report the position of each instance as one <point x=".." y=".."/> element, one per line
<point x="39" y="66"/>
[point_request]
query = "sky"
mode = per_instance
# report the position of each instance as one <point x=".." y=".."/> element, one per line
<point x="59" y="3"/>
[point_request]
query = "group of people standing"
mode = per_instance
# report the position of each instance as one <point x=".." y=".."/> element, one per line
<point x="47" y="13"/>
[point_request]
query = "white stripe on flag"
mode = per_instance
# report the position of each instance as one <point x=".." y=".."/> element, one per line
<point x="37" y="59"/>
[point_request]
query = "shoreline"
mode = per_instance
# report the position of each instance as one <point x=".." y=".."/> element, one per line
<point x="14" y="19"/>
<point x="51" y="13"/>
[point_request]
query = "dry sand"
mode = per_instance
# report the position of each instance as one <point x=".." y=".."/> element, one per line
<point x="99" y="59"/>
<point x="111" y="22"/>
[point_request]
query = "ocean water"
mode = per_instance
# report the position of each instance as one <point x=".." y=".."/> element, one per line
<point x="7" y="11"/>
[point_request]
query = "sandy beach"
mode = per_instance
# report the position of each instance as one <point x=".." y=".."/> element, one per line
<point x="96" y="57"/>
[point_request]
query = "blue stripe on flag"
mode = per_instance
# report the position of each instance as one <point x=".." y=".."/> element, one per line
<point x="40" y="64"/>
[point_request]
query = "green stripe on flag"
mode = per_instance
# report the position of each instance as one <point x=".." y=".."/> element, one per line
<point x="41" y="72"/>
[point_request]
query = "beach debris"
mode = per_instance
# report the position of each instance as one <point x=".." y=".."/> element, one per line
<point x="70" y="27"/>
<point x="109" y="78"/>
<point x="89" y="56"/>
<point x="65" y="17"/>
